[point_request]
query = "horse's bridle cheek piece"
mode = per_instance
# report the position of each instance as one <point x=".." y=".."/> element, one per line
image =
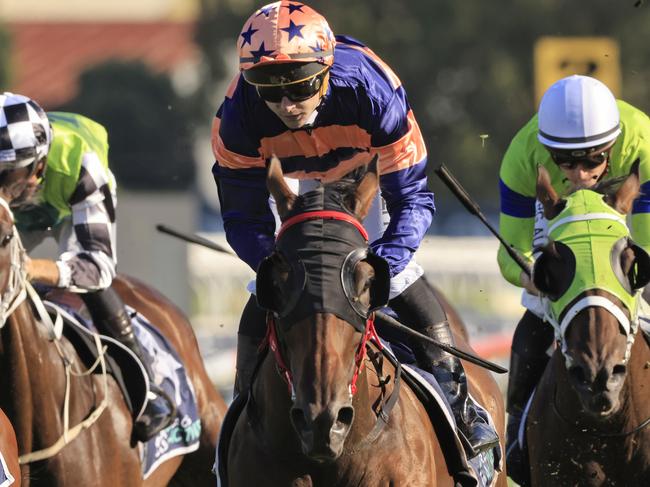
<point x="369" y="335"/>
<point x="325" y="284"/>
<point x="15" y="292"/>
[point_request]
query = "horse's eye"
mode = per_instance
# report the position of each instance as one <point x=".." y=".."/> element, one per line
<point x="6" y="239"/>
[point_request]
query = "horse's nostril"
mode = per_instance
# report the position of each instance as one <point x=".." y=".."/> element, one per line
<point x="298" y="419"/>
<point x="619" y="369"/>
<point x="345" y="415"/>
<point x="578" y="375"/>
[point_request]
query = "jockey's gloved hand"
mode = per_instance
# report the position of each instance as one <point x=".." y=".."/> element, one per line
<point x="528" y="284"/>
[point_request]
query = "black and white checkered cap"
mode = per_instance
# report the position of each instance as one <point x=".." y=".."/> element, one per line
<point x="25" y="132"/>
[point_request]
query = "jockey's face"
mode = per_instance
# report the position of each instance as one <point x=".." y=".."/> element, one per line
<point x="295" y="114"/>
<point x="583" y="176"/>
<point x="21" y="184"/>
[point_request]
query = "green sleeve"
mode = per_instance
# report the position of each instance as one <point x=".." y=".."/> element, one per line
<point x="519" y="233"/>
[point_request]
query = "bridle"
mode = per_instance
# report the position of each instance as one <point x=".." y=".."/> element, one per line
<point x="17" y="290"/>
<point x="369" y="333"/>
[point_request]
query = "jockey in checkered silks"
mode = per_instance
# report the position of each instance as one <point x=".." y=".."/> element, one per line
<point x="326" y="105"/>
<point x="54" y="172"/>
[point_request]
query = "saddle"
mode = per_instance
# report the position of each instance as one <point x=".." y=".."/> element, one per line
<point x="121" y="363"/>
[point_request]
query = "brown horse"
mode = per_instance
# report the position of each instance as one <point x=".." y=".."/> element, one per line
<point x="328" y="429"/>
<point x="33" y="384"/>
<point x="9" y="450"/>
<point x="588" y="421"/>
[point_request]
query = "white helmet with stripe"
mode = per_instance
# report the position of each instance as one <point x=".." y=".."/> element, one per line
<point x="578" y="112"/>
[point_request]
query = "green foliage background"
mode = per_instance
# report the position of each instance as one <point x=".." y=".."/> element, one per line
<point x="467" y="65"/>
<point x="149" y="128"/>
<point x="5" y="58"/>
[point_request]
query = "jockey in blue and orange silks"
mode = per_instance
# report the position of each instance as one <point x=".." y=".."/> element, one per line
<point x="324" y="106"/>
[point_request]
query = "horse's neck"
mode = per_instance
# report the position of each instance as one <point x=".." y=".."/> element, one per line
<point x="31" y="370"/>
<point x="634" y="394"/>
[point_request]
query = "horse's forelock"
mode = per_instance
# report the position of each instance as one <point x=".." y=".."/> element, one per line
<point x="338" y="196"/>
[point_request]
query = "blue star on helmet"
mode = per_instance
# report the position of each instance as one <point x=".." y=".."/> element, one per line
<point x="266" y="10"/>
<point x="293" y="7"/>
<point x="248" y="35"/>
<point x="317" y="48"/>
<point x="293" y="30"/>
<point x="261" y="52"/>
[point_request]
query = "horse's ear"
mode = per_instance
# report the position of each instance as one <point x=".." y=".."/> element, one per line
<point x="277" y="186"/>
<point x="628" y="192"/>
<point x="546" y="195"/>
<point x="366" y="190"/>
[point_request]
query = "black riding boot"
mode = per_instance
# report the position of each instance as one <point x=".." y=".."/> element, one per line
<point x="528" y="360"/>
<point x="110" y="317"/>
<point x="247" y="349"/>
<point x="419" y="307"/>
<point x="451" y="377"/>
<point x="252" y="327"/>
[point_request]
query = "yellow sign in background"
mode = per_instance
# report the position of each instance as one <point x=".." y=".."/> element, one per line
<point x="558" y="57"/>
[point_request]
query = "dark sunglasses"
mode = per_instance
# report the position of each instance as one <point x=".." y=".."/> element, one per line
<point x="570" y="159"/>
<point x="296" y="92"/>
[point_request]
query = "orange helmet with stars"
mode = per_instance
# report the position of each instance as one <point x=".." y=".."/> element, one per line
<point x="285" y="42"/>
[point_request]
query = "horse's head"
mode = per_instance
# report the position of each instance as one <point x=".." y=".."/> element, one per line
<point x="590" y="271"/>
<point x="321" y="284"/>
<point x="7" y="234"/>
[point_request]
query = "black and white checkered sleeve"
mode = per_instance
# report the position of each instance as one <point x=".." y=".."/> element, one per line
<point x="90" y="259"/>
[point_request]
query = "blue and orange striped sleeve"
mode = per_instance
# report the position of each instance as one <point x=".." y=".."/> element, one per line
<point x="396" y="138"/>
<point x="240" y="173"/>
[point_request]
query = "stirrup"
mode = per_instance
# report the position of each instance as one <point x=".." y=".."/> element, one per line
<point x="157" y="415"/>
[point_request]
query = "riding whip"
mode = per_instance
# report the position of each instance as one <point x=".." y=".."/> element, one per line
<point x="388" y="320"/>
<point x="197" y="239"/>
<point x="455" y="187"/>
<point x="392" y="322"/>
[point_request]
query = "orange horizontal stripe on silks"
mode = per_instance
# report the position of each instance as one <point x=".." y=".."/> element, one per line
<point x="316" y="142"/>
<point x="403" y="153"/>
<point x="227" y="158"/>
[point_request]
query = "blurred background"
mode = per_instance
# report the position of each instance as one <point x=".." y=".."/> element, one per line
<point x="154" y="73"/>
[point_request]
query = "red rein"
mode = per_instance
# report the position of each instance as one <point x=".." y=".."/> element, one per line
<point x="370" y="334"/>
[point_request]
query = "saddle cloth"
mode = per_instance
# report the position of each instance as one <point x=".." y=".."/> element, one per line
<point x="479" y="471"/>
<point x="6" y="479"/>
<point x="179" y="438"/>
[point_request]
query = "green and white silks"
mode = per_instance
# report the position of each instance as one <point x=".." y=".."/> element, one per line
<point x="591" y="229"/>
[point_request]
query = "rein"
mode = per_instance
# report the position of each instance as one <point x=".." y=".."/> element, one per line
<point x="369" y="336"/>
<point x="15" y="293"/>
<point x="19" y="289"/>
